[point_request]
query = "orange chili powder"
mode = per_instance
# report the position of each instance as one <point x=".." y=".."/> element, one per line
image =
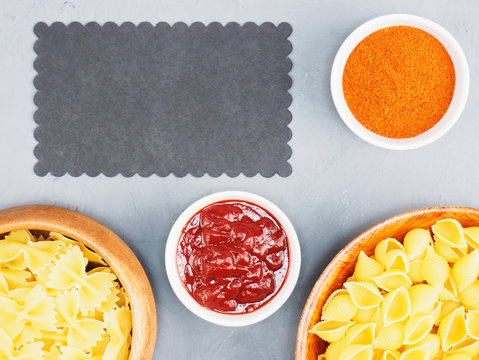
<point x="399" y="81"/>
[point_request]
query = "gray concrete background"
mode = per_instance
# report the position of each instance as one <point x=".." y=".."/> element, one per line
<point x="340" y="185"/>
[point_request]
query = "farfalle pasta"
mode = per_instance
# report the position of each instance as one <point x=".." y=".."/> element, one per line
<point x="59" y="301"/>
<point x="412" y="299"/>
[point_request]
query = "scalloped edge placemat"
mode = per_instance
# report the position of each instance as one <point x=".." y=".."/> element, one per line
<point x="159" y="99"/>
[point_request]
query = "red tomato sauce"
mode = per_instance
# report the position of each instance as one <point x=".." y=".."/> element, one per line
<point x="233" y="256"/>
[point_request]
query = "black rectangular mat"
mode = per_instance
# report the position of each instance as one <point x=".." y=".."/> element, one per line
<point x="165" y="99"/>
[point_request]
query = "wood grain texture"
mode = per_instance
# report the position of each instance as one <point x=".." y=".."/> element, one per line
<point x="111" y="248"/>
<point x="309" y="346"/>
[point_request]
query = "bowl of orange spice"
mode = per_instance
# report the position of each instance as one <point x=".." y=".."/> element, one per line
<point x="400" y="81"/>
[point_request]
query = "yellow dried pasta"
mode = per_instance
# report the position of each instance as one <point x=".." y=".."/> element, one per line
<point x="51" y="308"/>
<point x="391" y="355"/>
<point x="450" y="232"/>
<point x="360" y="334"/>
<point x="390" y="337"/>
<point x="423" y="298"/>
<point x="471" y="235"/>
<point x="415" y="271"/>
<point x="434" y="268"/>
<point x="384" y="247"/>
<point x="466" y="270"/>
<point x="69" y="271"/>
<point x="417" y="328"/>
<point x="366" y="268"/>
<point x="392" y="279"/>
<point x="416" y="242"/>
<point x="420" y="352"/>
<point x="452" y="329"/>
<point x="118" y="327"/>
<point x="364" y="315"/>
<point x="334" y="349"/>
<point x="470" y="295"/>
<point x="472" y="324"/>
<point x="413" y="300"/>
<point x="397" y="259"/>
<point x="364" y="295"/>
<point x="469" y="347"/>
<point x="8" y="351"/>
<point x="356" y="352"/>
<point x="451" y="254"/>
<point x="331" y="330"/>
<point x="434" y="343"/>
<point x="449" y="290"/>
<point x="340" y="307"/>
<point x="396" y="306"/>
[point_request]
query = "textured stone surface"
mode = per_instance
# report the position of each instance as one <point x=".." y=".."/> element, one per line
<point x="340" y="185"/>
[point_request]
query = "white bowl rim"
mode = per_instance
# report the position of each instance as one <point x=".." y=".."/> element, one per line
<point x="461" y="90"/>
<point x="223" y="318"/>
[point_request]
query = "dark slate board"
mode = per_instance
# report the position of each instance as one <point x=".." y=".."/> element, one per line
<point x="125" y="99"/>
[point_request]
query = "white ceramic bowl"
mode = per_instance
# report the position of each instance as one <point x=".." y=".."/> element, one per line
<point x="223" y="318"/>
<point x="460" y="93"/>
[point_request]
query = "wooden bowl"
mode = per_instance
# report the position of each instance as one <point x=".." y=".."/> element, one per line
<point x="111" y="248"/>
<point x="309" y="346"/>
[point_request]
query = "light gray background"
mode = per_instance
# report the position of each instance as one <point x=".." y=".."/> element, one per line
<point x="340" y="185"/>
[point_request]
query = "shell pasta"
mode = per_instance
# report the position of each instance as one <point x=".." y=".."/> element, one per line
<point x="414" y="298"/>
<point x="59" y="301"/>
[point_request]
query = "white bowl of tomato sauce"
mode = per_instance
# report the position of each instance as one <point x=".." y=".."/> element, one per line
<point x="233" y="258"/>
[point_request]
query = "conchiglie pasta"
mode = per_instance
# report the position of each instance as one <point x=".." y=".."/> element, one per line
<point x="417" y="301"/>
<point x="415" y="353"/>
<point x="436" y="312"/>
<point x="452" y="329"/>
<point x="334" y="294"/>
<point x="396" y="306"/>
<point x="449" y="290"/>
<point x="434" y="343"/>
<point x="392" y="279"/>
<point x="470" y="295"/>
<point x="457" y="356"/>
<point x="360" y="334"/>
<point x="364" y="315"/>
<point x="448" y="253"/>
<point x="397" y="259"/>
<point x="415" y="271"/>
<point x="416" y="242"/>
<point x="450" y="232"/>
<point x="356" y="352"/>
<point x="417" y="328"/>
<point x="390" y="337"/>
<point x="331" y="330"/>
<point x="466" y="270"/>
<point x="340" y="308"/>
<point x="448" y="307"/>
<point x="434" y="268"/>
<point x="469" y="346"/>
<point x="364" y="295"/>
<point x="423" y="297"/>
<point x="471" y="235"/>
<point x="377" y="354"/>
<point x="378" y="319"/>
<point x="366" y="268"/>
<point x="384" y="247"/>
<point x="334" y="349"/>
<point x="472" y="324"/>
<point x="391" y="355"/>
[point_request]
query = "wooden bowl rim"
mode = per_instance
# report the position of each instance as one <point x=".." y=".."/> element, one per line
<point x="111" y="248"/>
<point x="311" y="302"/>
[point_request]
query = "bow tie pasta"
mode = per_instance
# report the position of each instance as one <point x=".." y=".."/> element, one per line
<point x="415" y="299"/>
<point x="59" y="301"/>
